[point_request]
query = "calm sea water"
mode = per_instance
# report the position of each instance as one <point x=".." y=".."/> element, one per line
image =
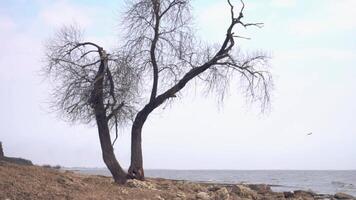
<point x="326" y="182"/>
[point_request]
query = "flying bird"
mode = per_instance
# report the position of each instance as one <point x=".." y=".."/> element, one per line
<point x="310" y="133"/>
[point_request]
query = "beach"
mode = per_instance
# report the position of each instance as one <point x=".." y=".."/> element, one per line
<point x="36" y="182"/>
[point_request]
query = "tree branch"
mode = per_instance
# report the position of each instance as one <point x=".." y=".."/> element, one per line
<point x="156" y="7"/>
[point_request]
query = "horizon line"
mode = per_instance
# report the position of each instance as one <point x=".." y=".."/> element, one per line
<point x="64" y="167"/>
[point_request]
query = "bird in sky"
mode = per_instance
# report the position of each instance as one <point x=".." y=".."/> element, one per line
<point x="310" y="133"/>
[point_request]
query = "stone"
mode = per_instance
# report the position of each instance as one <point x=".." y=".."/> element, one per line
<point x="275" y="196"/>
<point x="214" y="188"/>
<point x="260" y="188"/>
<point x="324" y="196"/>
<point x="302" y="192"/>
<point x="61" y="180"/>
<point x="245" y="192"/>
<point x="124" y="191"/>
<point x="203" y="196"/>
<point x="181" y="195"/>
<point x="159" y="198"/>
<point x="307" y="195"/>
<point x="133" y="183"/>
<point x="222" y="194"/>
<point x="196" y="187"/>
<point x="343" y="196"/>
<point x="288" y="194"/>
<point x="279" y="195"/>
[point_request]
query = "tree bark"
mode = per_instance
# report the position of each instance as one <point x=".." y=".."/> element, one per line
<point x="136" y="167"/>
<point x="109" y="158"/>
<point x="97" y="102"/>
<point x="223" y="55"/>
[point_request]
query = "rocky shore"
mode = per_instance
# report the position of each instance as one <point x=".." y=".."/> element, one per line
<point x="34" y="182"/>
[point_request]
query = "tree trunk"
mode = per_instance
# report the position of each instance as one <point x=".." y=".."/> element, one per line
<point x="136" y="167"/>
<point x="97" y="101"/>
<point x="109" y="158"/>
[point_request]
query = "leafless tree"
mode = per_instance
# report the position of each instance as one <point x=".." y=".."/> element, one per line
<point x="162" y="45"/>
<point x="91" y="84"/>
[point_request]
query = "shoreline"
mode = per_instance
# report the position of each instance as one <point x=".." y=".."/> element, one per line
<point x="35" y="182"/>
<point x="318" y="181"/>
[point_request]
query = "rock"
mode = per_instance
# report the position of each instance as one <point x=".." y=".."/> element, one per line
<point x="261" y="188"/>
<point x="165" y="186"/>
<point x="288" y="195"/>
<point x="124" y="191"/>
<point x="307" y="195"/>
<point x="140" y="184"/>
<point x="213" y="188"/>
<point x="245" y="192"/>
<point x="274" y="196"/>
<point x="159" y="198"/>
<point x="181" y="182"/>
<point x="181" y="195"/>
<point x="302" y="192"/>
<point x="343" y="196"/>
<point x="222" y="194"/>
<point x="324" y="196"/>
<point x="61" y="180"/>
<point x="196" y="187"/>
<point x="203" y="196"/>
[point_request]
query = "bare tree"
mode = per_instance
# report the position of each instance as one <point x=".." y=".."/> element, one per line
<point x="90" y="84"/>
<point x="162" y="45"/>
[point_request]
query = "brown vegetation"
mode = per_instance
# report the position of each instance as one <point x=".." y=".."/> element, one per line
<point x="19" y="161"/>
<point x="34" y="182"/>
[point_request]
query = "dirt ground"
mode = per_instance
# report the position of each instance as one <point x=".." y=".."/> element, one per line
<point x="33" y="182"/>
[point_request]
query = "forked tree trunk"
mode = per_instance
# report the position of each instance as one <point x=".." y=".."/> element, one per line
<point x="136" y="168"/>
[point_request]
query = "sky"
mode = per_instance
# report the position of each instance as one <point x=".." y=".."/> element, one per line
<point x="313" y="50"/>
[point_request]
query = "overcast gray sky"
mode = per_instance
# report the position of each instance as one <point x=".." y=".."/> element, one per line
<point x="314" y="66"/>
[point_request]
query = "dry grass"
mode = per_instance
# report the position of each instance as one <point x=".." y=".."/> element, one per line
<point x="33" y="182"/>
<point x="19" y="182"/>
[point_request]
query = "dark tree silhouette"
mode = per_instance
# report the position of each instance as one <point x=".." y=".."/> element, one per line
<point x="90" y="84"/>
<point x="1" y="151"/>
<point x="162" y="45"/>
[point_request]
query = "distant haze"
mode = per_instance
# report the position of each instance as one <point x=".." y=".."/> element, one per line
<point x="313" y="47"/>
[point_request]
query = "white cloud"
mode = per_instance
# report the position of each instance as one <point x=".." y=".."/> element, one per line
<point x="314" y="88"/>
<point x="213" y="20"/>
<point x="320" y="54"/>
<point x="14" y="42"/>
<point x="62" y="12"/>
<point x="332" y="16"/>
<point x="284" y="3"/>
<point x="6" y="24"/>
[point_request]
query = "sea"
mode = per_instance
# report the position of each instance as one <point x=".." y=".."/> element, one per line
<point x="322" y="182"/>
